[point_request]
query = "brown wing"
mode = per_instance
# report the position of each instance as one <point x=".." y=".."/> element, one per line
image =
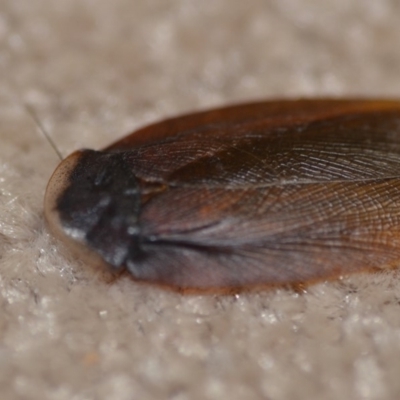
<point x="255" y="202"/>
<point x="343" y="140"/>
<point x="268" y="114"/>
<point x="273" y="235"/>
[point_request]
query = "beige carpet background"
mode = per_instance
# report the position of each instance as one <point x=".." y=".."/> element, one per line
<point x="95" y="70"/>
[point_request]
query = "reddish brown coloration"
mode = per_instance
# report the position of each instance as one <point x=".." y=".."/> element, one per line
<point x="273" y="193"/>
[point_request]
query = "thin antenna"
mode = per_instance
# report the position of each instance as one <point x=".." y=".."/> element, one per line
<point x="34" y="116"/>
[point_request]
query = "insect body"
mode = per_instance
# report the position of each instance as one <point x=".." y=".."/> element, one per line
<point x="270" y="193"/>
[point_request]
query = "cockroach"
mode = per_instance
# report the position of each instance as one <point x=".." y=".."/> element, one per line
<point x="274" y="193"/>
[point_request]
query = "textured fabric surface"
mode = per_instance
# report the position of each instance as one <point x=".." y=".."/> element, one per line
<point x="91" y="71"/>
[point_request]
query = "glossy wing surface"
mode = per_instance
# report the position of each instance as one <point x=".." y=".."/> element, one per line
<point x="251" y="201"/>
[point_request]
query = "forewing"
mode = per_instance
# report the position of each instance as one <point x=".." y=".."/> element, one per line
<point x="342" y="145"/>
<point x="275" y="235"/>
<point x="267" y="114"/>
<point x="271" y="194"/>
<point x="259" y="202"/>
